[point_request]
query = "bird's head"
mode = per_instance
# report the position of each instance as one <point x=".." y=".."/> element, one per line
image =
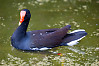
<point x="24" y="15"/>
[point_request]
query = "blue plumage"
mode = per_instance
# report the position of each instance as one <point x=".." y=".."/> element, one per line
<point x="43" y="39"/>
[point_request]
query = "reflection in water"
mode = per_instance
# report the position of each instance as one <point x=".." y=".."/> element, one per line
<point x="47" y="60"/>
<point x="76" y="50"/>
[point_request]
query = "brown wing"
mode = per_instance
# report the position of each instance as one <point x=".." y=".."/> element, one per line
<point x="51" y="39"/>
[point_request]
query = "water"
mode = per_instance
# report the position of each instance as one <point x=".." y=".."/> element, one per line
<point x="80" y="14"/>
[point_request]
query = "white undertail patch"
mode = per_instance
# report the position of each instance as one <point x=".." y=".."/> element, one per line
<point x="77" y="31"/>
<point x="75" y="41"/>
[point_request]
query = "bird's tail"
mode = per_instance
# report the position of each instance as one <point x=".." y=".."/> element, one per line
<point x="73" y="37"/>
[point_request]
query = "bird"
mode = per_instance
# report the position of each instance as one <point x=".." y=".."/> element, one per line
<point x="43" y="39"/>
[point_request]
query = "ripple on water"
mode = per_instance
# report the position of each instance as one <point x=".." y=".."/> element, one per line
<point x="64" y="23"/>
<point x="2" y="24"/>
<point x="21" y="6"/>
<point x="68" y="58"/>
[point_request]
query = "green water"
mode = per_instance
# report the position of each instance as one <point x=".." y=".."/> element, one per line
<point x="46" y="14"/>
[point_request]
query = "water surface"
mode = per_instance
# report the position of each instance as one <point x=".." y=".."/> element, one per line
<point x="46" y="14"/>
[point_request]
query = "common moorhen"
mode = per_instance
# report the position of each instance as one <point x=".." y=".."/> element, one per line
<point x="43" y="39"/>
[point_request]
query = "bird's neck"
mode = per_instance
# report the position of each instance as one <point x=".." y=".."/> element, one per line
<point x="21" y="30"/>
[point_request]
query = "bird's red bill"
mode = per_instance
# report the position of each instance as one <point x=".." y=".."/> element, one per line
<point x="22" y="15"/>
